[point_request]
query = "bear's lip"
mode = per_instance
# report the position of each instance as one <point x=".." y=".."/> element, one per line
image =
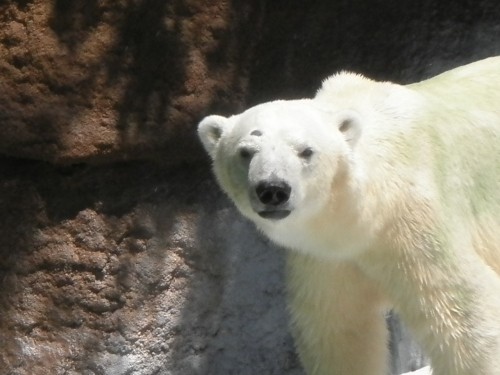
<point x="274" y="214"/>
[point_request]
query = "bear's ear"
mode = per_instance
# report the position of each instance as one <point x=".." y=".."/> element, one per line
<point x="350" y="126"/>
<point x="210" y="131"/>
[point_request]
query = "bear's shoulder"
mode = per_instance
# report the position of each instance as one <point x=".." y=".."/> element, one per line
<point x="352" y="91"/>
<point x="345" y="80"/>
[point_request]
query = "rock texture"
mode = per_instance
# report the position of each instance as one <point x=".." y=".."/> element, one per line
<point x="118" y="253"/>
<point x="133" y="270"/>
<point x="106" y="80"/>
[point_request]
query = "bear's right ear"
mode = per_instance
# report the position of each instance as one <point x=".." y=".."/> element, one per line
<point x="210" y="131"/>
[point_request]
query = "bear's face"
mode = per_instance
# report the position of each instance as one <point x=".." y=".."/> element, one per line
<point x="277" y="161"/>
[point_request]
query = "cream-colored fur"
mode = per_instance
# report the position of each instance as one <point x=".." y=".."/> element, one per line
<point x="423" y="371"/>
<point x="396" y="204"/>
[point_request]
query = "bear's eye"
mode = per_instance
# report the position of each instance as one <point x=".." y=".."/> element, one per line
<point x="245" y="153"/>
<point x="306" y="153"/>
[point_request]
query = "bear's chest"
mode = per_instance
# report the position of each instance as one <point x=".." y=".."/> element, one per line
<point x="327" y="241"/>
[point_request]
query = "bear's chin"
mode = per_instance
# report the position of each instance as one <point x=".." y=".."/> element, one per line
<point x="275" y="214"/>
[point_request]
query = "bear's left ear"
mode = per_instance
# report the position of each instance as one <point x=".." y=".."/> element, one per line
<point x="210" y="131"/>
<point x="349" y="124"/>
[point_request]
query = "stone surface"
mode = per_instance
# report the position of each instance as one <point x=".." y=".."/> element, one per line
<point x="106" y="80"/>
<point x="118" y="253"/>
<point x="134" y="270"/>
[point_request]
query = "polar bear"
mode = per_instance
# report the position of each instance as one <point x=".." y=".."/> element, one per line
<point x="387" y="196"/>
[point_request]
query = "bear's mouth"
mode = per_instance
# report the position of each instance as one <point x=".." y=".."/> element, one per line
<point x="274" y="214"/>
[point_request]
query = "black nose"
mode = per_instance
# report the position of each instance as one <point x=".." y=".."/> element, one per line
<point x="273" y="193"/>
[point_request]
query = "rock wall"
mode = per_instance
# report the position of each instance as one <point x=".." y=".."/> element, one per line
<point x="130" y="269"/>
<point x="94" y="81"/>
<point x="118" y="253"/>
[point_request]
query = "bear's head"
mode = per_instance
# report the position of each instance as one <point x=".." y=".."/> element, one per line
<point x="277" y="161"/>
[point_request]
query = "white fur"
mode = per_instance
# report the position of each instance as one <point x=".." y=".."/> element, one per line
<point x="422" y="371"/>
<point x="398" y="206"/>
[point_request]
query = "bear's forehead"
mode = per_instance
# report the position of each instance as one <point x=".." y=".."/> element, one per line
<point x="277" y="117"/>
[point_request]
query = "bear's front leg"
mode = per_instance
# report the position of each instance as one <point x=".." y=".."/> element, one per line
<point x="337" y="318"/>
<point x="448" y="297"/>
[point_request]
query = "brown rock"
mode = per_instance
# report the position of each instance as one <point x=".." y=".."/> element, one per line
<point x="107" y="80"/>
<point x="132" y="276"/>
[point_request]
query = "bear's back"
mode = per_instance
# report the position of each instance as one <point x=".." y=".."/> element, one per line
<point x="473" y="87"/>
